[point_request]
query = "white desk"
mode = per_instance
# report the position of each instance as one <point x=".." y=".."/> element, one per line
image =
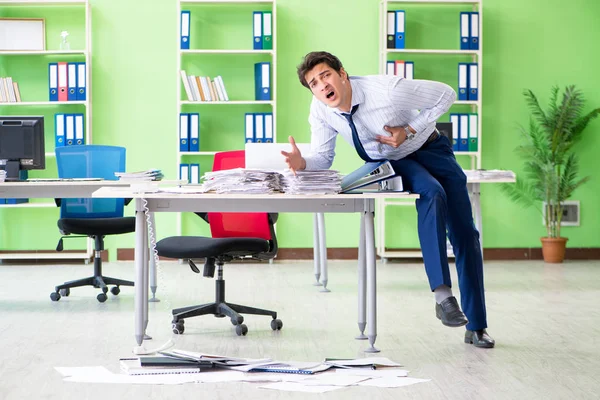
<point x="166" y="202"/>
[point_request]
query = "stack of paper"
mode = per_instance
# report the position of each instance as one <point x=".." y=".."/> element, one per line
<point x="148" y="175"/>
<point x="322" y="181"/>
<point x="242" y="180"/>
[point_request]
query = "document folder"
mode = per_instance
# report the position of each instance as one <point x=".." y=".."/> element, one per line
<point x="474" y="42"/>
<point x="371" y="172"/>
<point x="81" y="81"/>
<point x="464" y="31"/>
<point x="400" y="40"/>
<point x="53" y="81"/>
<point x="257" y="29"/>
<point x="185" y="30"/>
<point x="391" y="29"/>
<point x="72" y="81"/>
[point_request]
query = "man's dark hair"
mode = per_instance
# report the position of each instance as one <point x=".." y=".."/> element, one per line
<point x="315" y="58"/>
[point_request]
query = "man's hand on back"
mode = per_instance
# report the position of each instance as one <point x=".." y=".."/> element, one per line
<point x="294" y="158"/>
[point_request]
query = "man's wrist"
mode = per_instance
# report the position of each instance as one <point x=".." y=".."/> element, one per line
<point x="302" y="164"/>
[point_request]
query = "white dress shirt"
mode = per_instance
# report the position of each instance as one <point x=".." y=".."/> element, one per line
<point x="383" y="100"/>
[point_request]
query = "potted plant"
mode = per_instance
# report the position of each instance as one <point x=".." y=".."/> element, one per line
<point x="551" y="170"/>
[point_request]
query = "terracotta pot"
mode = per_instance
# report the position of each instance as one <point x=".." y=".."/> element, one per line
<point x="553" y="249"/>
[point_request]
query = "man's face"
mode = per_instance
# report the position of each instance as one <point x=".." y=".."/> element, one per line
<point x="327" y="85"/>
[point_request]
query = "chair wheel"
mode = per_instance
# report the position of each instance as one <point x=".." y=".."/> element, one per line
<point x="54" y="296"/>
<point x="115" y="290"/>
<point x="102" y="297"/>
<point x="276" y="324"/>
<point x="241" y="330"/>
<point x="237" y="320"/>
<point x="178" y="328"/>
<point x="65" y="292"/>
<point x="105" y="289"/>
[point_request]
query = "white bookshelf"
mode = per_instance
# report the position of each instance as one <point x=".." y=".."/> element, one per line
<point x="201" y="106"/>
<point x="475" y="106"/>
<point x="38" y="6"/>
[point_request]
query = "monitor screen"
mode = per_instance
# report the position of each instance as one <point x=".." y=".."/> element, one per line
<point x="21" y="144"/>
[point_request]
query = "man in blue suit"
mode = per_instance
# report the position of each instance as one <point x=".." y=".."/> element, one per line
<point x="392" y="118"/>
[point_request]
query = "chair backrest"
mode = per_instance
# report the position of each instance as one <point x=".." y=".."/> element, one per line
<point x="237" y="224"/>
<point x="90" y="161"/>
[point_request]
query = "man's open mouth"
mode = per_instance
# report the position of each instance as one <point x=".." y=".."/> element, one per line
<point x="330" y="94"/>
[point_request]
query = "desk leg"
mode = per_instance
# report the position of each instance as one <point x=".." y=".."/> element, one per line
<point x="146" y="280"/>
<point x="371" y="278"/>
<point x="323" y="251"/>
<point x="362" y="282"/>
<point x="476" y="202"/>
<point x="316" y="253"/>
<point x="152" y="261"/>
<point x="140" y="249"/>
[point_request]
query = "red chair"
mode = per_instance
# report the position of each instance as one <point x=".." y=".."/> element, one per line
<point x="234" y="236"/>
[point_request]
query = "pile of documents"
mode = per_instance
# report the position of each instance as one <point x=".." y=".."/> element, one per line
<point x="148" y="175"/>
<point x="322" y="181"/>
<point x="242" y="180"/>
<point x="179" y="366"/>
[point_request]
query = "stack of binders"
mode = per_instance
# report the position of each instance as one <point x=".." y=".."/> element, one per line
<point x="465" y="132"/>
<point x="259" y="127"/>
<point x="262" y="28"/>
<point x="469" y="31"/>
<point x="69" y="129"/>
<point x="395" y="29"/>
<point x="67" y="81"/>
<point x="468" y="81"/>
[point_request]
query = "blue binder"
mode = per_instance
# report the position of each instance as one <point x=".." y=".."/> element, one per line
<point x="72" y="81"/>
<point x="194" y="131"/>
<point x="184" y="132"/>
<point x="474" y="31"/>
<point x="81" y="81"/>
<point x="262" y="81"/>
<point x="59" y="130"/>
<point x="463" y="81"/>
<point x="185" y="30"/>
<point x="400" y="30"/>
<point x="257" y="28"/>
<point x="249" y="128"/>
<point x="473" y="94"/>
<point x="53" y="81"/>
<point x="465" y="30"/>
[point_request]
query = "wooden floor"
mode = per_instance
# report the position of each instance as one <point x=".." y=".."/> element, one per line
<point x="545" y="319"/>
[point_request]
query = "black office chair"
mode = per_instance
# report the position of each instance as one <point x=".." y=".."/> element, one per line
<point x="94" y="218"/>
<point x="234" y="236"/>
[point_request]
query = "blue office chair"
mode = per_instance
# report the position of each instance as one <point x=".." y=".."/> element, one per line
<point x="95" y="218"/>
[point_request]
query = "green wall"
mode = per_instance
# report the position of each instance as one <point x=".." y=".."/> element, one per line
<point x="134" y="100"/>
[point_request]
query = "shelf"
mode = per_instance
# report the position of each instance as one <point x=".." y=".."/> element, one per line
<point x="42" y="2"/>
<point x="270" y="102"/>
<point x="44" y="103"/>
<point x="433" y="51"/>
<point x="41" y="52"/>
<point x="466" y="102"/>
<point x="225" y="51"/>
<point x="29" y="205"/>
<point x="436" y="1"/>
<point x="197" y="153"/>
<point x="226" y="1"/>
<point x="467" y="153"/>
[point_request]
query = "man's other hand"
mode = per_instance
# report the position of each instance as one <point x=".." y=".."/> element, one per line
<point x="294" y="158"/>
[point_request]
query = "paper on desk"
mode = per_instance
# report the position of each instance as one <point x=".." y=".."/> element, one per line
<point x="361" y="362"/>
<point x="373" y="373"/>
<point x="102" y="375"/>
<point x="391" y="382"/>
<point x="81" y="371"/>
<point x="299" y="387"/>
<point x="333" y="379"/>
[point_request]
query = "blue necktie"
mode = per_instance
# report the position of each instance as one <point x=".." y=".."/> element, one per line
<point x="357" y="144"/>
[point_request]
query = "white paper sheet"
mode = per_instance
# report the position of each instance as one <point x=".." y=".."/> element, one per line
<point x="373" y="373"/>
<point x="299" y="387"/>
<point x="392" y="382"/>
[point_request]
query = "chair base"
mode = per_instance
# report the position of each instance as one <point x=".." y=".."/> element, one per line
<point x="97" y="281"/>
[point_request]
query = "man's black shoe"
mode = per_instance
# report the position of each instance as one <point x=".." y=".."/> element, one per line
<point x="449" y="313"/>
<point x="479" y="338"/>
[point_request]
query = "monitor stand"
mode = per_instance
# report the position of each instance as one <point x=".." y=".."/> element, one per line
<point x="12" y="171"/>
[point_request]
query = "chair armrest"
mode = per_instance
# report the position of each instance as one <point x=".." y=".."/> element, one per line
<point x="127" y="201"/>
<point x="58" y="202"/>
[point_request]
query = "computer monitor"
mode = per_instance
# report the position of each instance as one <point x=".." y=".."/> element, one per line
<point x="21" y="144"/>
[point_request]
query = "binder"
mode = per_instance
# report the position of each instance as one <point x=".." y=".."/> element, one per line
<point x="465" y="20"/>
<point x="79" y="129"/>
<point x="454" y="119"/>
<point x="400" y="68"/>
<point x="259" y="128"/>
<point x="409" y="70"/>
<point x="267" y="31"/>
<point x="184" y="172"/>
<point x="473" y="82"/>
<point x="81" y="82"/>
<point x="262" y="81"/>
<point x="391" y="29"/>
<point x="463" y="136"/>
<point x="72" y="81"/>
<point x="473" y="132"/>
<point x="195" y="173"/>
<point x="249" y="125"/>
<point x="463" y="74"/>
<point x="257" y="29"/>
<point x="185" y="30"/>
<point x="371" y="172"/>
<point x="62" y="81"/>
<point x="390" y="68"/>
<point x="53" y="81"/>
<point x="400" y="29"/>
<point x="59" y="130"/>
<point x="69" y="129"/>
<point x="474" y="31"/>
<point x="184" y="132"/>
<point x="194" y="140"/>
<point x="268" y="128"/>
